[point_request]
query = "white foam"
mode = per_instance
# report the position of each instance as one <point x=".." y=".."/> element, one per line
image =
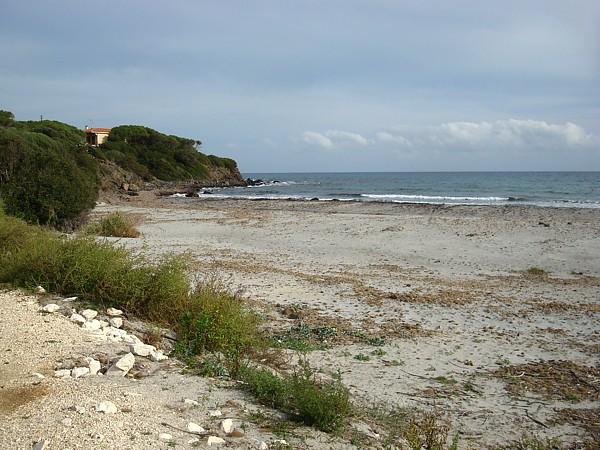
<point x="434" y="197"/>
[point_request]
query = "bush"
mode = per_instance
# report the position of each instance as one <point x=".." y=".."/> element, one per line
<point x="115" y="225"/>
<point x="324" y="405"/>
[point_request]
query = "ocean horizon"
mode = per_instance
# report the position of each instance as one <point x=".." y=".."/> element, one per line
<point x="556" y="189"/>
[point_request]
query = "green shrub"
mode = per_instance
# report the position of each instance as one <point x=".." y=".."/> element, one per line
<point x="324" y="405"/>
<point x="116" y="225"/>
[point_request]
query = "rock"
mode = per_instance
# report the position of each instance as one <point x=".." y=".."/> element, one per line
<point x="190" y="402"/>
<point x="214" y="440"/>
<point x="227" y="426"/>
<point x="131" y="339"/>
<point x="51" y="308"/>
<point x="94" y="366"/>
<point x="79" y="372"/>
<point x="122" y="366"/>
<point x="92" y="325"/>
<point x="80" y="409"/>
<point x="165" y="437"/>
<point x="77" y="318"/>
<point x="158" y="356"/>
<point x="113" y="312"/>
<point x="194" y="442"/>
<point x="39" y="290"/>
<point x="103" y="323"/>
<point x="69" y="299"/>
<point x="106" y="407"/>
<point x="89" y="314"/>
<point x="215" y="413"/>
<point x="281" y="442"/>
<point x="237" y="433"/>
<point x="41" y="444"/>
<point x="38" y="375"/>
<point x="116" y="322"/>
<point x="263" y="446"/>
<point x="67" y="422"/>
<point x="195" y="428"/>
<point x="62" y="373"/>
<point x="141" y="349"/>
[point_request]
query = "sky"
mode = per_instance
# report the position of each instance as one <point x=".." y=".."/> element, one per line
<point x="320" y="86"/>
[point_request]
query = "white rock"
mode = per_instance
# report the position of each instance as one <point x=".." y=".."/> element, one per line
<point x="62" y="373"/>
<point x="67" y="421"/>
<point x="106" y="407"/>
<point x="40" y="445"/>
<point x="89" y="314"/>
<point x="214" y="440"/>
<point x="190" y="402"/>
<point x="38" y="375"/>
<point x="263" y="446"/>
<point x="79" y="372"/>
<point x="122" y="366"/>
<point x="227" y="426"/>
<point x="116" y="322"/>
<point x="92" y="325"/>
<point x="281" y="442"/>
<point x="158" y="356"/>
<point x="94" y="366"/>
<point x="165" y="437"/>
<point x="103" y="324"/>
<point x="51" y="308"/>
<point x="69" y="299"/>
<point x="141" y="349"/>
<point x="77" y="318"/>
<point x="39" y="290"/>
<point x="114" y="312"/>
<point x="215" y="413"/>
<point x="194" y="441"/>
<point x="80" y="409"/>
<point x="131" y="339"/>
<point x="195" y="428"/>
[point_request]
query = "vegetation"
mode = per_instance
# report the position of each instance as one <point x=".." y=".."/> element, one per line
<point x="322" y="404"/>
<point x="151" y="154"/>
<point x="116" y="225"/>
<point x="47" y="177"/>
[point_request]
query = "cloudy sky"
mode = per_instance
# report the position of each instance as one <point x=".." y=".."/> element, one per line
<point x="327" y="85"/>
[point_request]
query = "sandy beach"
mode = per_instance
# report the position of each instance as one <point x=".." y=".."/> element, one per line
<point x="486" y="315"/>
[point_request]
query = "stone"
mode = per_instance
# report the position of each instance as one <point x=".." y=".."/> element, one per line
<point x="281" y="442"/>
<point x="214" y="440"/>
<point x="165" y="437"/>
<point x="62" y="373"/>
<point x="92" y="325"/>
<point x="103" y="323"/>
<point x="79" y="372"/>
<point x="141" y="349"/>
<point x="39" y="290"/>
<point x="51" y="308"/>
<point x="113" y="312"/>
<point x="263" y="446"/>
<point x="131" y="339"/>
<point x="106" y="407"/>
<point x="193" y="442"/>
<point x="89" y="314"/>
<point x="38" y="375"/>
<point x="77" y="318"/>
<point x="42" y="444"/>
<point x="215" y="413"/>
<point x="94" y="366"/>
<point x="190" y="402"/>
<point x="227" y="426"/>
<point x="69" y="299"/>
<point x="195" y="428"/>
<point x="67" y="421"/>
<point x="122" y="366"/>
<point x="158" y="356"/>
<point x="116" y="322"/>
<point x="80" y="409"/>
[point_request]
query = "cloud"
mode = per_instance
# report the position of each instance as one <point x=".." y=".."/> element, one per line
<point x="384" y="136"/>
<point x="334" y="139"/>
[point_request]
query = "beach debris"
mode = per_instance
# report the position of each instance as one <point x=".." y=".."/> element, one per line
<point x="39" y="290"/>
<point x="113" y="312"/>
<point x="107" y="407"/>
<point x="89" y="314"/>
<point x="116" y="322"/>
<point x="51" y="308"/>
<point x="77" y="318"/>
<point x="214" y="440"/>
<point x="195" y="428"/>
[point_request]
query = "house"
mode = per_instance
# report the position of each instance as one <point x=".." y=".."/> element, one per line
<point x="96" y="136"/>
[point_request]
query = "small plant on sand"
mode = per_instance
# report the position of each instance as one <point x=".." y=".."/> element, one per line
<point x="362" y="357"/>
<point x="528" y="442"/>
<point x="536" y="272"/>
<point x="115" y="225"/>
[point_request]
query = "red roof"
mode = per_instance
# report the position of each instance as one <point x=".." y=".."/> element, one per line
<point x="98" y="130"/>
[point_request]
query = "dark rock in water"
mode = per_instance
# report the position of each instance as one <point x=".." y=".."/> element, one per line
<point x="314" y="199"/>
<point x="253" y="182"/>
<point x="206" y="192"/>
<point x="275" y="181"/>
<point x="191" y="194"/>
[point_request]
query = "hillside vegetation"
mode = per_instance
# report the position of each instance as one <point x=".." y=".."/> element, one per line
<point x="50" y="176"/>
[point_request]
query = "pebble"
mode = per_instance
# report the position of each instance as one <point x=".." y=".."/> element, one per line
<point x="165" y="437"/>
<point x="215" y="413"/>
<point x="94" y="366"/>
<point x="67" y="422"/>
<point x="62" y="373"/>
<point x="79" y="372"/>
<point x="89" y="314"/>
<point x="38" y="375"/>
<point x="77" y="318"/>
<point x="263" y="446"/>
<point x="214" y="440"/>
<point x="114" y="312"/>
<point x="69" y="299"/>
<point x="190" y="402"/>
<point x="39" y="290"/>
<point x="195" y="428"/>
<point x="141" y="349"/>
<point x="122" y="366"/>
<point x="41" y="444"/>
<point x="158" y="356"/>
<point x="106" y="407"/>
<point x="51" y="308"/>
<point x="92" y="325"/>
<point x="227" y="426"/>
<point x="80" y="409"/>
<point x="193" y="442"/>
<point x="116" y="322"/>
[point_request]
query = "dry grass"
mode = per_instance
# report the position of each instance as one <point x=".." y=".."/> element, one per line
<point x="116" y="225"/>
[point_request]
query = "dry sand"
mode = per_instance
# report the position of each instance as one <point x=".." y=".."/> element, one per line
<point x="436" y="300"/>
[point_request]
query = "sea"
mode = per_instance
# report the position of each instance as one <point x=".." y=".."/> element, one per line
<point x="555" y="189"/>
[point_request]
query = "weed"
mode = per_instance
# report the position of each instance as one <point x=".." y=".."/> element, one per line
<point x="528" y="442"/>
<point x="536" y="272"/>
<point x="376" y="341"/>
<point x="445" y="380"/>
<point x="116" y="225"/>
<point x="362" y="357"/>
<point x="378" y="352"/>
